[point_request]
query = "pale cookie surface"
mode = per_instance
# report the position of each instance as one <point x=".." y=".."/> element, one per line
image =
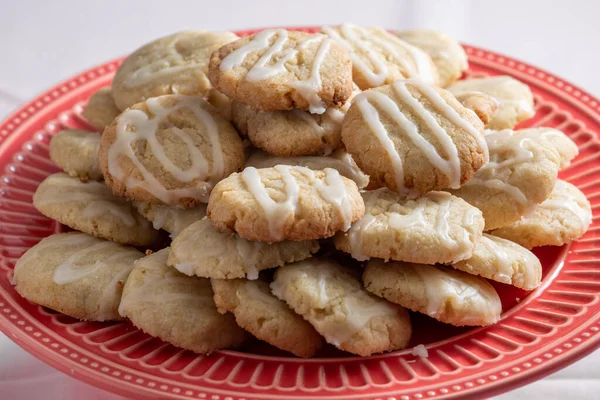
<point x="503" y="261"/>
<point x="262" y="314"/>
<point x="481" y="104"/>
<point x="169" y="150"/>
<point x="285" y="203"/>
<point x="380" y="57"/>
<point x="101" y="110"/>
<point x="174" y="64"/>
<point x="76" y="153"/>
<point x="171" y="219"/>
<point x="447" y="54"/>
<point x="434" y="228"/>
<point x="450" y="296"/>
<point x="333" y="300"/>
<point x="176" y="308"/>
<point x="203" y="251"/>
<point x="410" y="135"/>
<point x="566" y="215"/>
<point x="514" y="97"/>
<point x="92" y="208"/>
<point x="277" y="69"/>
<point x="76" y="274"/>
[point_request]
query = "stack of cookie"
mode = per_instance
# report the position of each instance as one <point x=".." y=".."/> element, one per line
<point x="254" y="152"/>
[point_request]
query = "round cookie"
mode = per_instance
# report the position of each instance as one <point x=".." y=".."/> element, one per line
<point x="446" y="53"/>
<point x="101" y="110"/>
<point x="169" y="150"/>
<point x="265" y="316"/>
<point x="503" y="261"/>
<point x="76" y="153"/>
<point x="413" y="136"/>
<point x="434" y="228"/>
<point x="333" y="300"/>
<point x="92" y="208"/>
<point x="380" y="57"/>
<point x="176" y="308"/>
<point x="76" y="274"/>
<point x="566" y="215"/>
<point x="171" y="219"/>
<point x="285" y="203"/>
<point x="276" y="69"/>
<point x="448" y="295"/>
<point x="203" y="251"/>
<point x="174" y="64"/>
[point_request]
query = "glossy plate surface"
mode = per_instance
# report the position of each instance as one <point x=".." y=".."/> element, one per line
<point x="539" y="333"/>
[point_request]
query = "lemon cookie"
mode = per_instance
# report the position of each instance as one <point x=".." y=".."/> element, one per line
<point x="174" y="64"/>
<point x="169" y="150"/>
<point x="410" y="135"/>
<point x="285" y="203"/>
<point x="176" y="308"/>
<point x="76" y="153"/>
<point x="101" y="110"/>
<point x="203" y="251"/>
<point x="380" y="57"/>
<point x="92" y="208"/>
<point x="333" y="300"/>
<point x="171" y="219"/>
<point x="566" y="215"/>
<point x="265" y="316"/>
<point x="76" y="274"/>
<point x="448" y="295"/>
<point x="433" y="228"/>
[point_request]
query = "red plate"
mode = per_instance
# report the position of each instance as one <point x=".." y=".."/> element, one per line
<point x="548" y="329"/>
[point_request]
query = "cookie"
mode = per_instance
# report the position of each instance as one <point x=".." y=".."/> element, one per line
<point x="503" y="261"/>
<point x="446" y="53"/>
<point x="174" y="64"/>
<point x="265" y="316"/>
<point x="433" y="228"/>
<point x="445" y="294"/>
<point x="169" y="150"/>
<point x="76" y="153"/>
<point x="514" y="97"/>
<point x="101" y="110"/>
<point x="92" y="208"/>
<point x="565" y="216"/>
<point x="203" y="251"/>
<point x="521" y="174"/>
<point x="380" y="57"/>
<point x="76" y="274"/>
<point x="338" y="160"/>
<point x="171" y="219"/>
<point x="413" y="136"/>
<point x="333" y="300"/>
<point x="285" y="203"/>
<point x="567" y="149"/>
<point x="176" y="308"/>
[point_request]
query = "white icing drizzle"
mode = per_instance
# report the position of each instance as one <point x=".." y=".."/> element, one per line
<point x="250" y="253"/>
<point x="503" y="271"/>
<point x="332" y="189"/>
<point x="562" y="199"/>
<point x="310" y="88"/>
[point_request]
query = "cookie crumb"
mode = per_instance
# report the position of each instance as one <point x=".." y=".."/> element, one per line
<point x="120" y="284"/>
<point x="84" y="179"/>
<point x="518" y="299"/>
<point x="420" y="351"/>
<point x="148" y="252"/>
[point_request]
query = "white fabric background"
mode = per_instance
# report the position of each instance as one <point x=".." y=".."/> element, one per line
<point x="44" y="42"/>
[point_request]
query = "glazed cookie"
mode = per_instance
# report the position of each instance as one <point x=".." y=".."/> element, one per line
<point x="265" y="316"/>
<point x="76" y="274"/>
<point x="567" y="149"/>
<point x="380" y="57"/>
<point x="169" y="150"/>
<point x="285" y="203"/>
<point x="338" y="160"/>
<point x="174" y="64"/>
<point x="566" y="215"/>
<point x="333" y="300"/>
<point x="277" y="69"/>
<point x="76" y="153"/>
<point x="514" y="97"/>
<point x="201" y="250"/>
<point x="92" y="208"/>
<point x="171" y="219"/>
<point x="101" y="110"/>
<point x="176" y="308"/>
<point x="433" y="228"/>
<point x="503" y="261"/>
<point x="413" y="136"/>
<point x="448" y="295"/>
<point x="447" y="54"/>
